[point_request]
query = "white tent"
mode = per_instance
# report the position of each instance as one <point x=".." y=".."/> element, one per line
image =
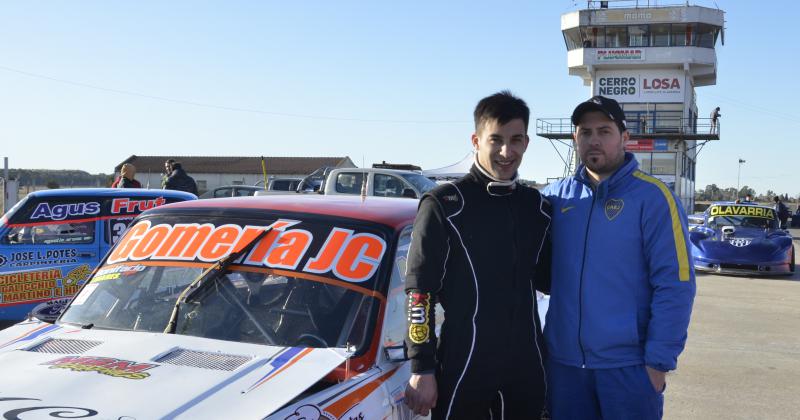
<point x="456" y="170"/>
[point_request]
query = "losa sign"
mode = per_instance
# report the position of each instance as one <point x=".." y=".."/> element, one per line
<point x="641" y="86"/>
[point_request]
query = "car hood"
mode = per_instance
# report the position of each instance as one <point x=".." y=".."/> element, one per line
<point x="745" y="244"/>
<point x="138" y="375"/>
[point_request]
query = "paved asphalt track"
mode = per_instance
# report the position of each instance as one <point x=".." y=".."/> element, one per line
<point x="742" y="358"/>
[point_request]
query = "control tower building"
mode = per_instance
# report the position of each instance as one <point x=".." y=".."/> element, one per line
<point x="651" y="59"/>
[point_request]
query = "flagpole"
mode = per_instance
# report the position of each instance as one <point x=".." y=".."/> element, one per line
<point x="264" y="171"/>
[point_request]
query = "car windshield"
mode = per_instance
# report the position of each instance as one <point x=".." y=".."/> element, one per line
<point x="284" y="184"/>
<point x="419" y="182"/>
<point x="247" y="302"/>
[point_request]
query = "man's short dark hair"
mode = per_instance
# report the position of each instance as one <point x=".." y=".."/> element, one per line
<point x="502" y="106"/>
<point x="176" y="165"/>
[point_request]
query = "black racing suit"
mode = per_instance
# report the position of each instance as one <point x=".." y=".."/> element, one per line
<point x="480" y="251"/>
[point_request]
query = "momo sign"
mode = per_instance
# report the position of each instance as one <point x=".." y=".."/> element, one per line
<point x="641" y="86"/>
<point x="628" y="16"/>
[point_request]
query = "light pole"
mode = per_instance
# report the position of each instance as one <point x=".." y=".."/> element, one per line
<point x="738" y="177"/>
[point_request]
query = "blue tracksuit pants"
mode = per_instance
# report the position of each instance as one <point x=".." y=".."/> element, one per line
<point x="608" y="394"/>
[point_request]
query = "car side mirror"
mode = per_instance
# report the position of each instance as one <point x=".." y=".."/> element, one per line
<point x="50" y="311"/>
<point x="396" y="354"/>
<point x="409" y="193"/>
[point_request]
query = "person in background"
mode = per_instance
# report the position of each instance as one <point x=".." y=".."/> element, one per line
<point x="167" y="172"/>
<point x="180" y="180"/>
<point x="748" y="198"/>
<point x="782" y="211"/>
<point x="715" y="115"/>
<point x="126" y="177"/>
<point x="623" y="282"/>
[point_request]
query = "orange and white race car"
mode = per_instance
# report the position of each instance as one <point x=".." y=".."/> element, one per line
<point x="283" y="307"/>
<point x="278" y="307"/>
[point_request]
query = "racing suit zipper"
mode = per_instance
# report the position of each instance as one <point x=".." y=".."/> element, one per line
<point x="580" y="284"/>
<point x="514" y="247"/>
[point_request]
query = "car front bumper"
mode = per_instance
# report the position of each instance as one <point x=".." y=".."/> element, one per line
<point x="753" y="269"/>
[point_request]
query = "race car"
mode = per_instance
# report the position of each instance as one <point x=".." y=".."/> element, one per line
<point x="278" y="307"/>
<point x="741" y="239"/>
<point x="52" y="240"/>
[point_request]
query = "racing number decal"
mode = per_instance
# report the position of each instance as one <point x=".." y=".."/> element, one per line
<point x="419" y="306"/>
<point x="116" y="227"/>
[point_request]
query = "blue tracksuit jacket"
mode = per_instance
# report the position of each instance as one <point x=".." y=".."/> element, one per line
<point x="623" y="283"/>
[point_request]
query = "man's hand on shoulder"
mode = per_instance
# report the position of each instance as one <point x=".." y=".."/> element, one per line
<point x="421" y="393"/>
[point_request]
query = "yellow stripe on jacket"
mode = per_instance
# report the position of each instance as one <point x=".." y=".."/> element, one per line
<point x="677" y="229"/>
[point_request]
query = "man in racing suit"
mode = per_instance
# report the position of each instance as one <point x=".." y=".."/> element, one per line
<point x="623" y="280"/>
<point x="474" y="249"/>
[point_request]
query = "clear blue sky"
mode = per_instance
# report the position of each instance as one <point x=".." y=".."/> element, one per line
<point x="83" y="85"/>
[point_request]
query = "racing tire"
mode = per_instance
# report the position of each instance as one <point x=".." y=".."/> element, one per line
<point x="791" y="263"/>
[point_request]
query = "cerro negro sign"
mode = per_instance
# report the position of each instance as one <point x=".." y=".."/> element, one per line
<point x="641" y="86"/>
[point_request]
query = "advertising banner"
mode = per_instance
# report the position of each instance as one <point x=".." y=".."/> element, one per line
<point x="639" y="145"/>
<point x="641" y="85"/>
<point x="647" y="145"/>
<point x="639" y="15"/>
<point x="660" y="144"/>
<point x="620" y="54"/>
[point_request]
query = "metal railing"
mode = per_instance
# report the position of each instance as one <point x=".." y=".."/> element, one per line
<point x="627" y="4"/>
<point x="664" y="126"/>
<point x="553" y="126"/>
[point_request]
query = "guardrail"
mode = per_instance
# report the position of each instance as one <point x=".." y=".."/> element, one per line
<point x="627" y="4"/>
<point x="562" y="127"/>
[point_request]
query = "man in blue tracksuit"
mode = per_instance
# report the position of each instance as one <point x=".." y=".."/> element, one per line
<point x="623" y="283"/>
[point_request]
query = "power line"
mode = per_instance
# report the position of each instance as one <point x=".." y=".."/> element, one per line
<point x="227" y="108"/>
<point x="776" y="114"/>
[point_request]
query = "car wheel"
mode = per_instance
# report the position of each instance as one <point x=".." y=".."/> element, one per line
<point x="791" y="263"/>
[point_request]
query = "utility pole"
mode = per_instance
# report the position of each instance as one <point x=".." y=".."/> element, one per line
<point x="738" y="177"/>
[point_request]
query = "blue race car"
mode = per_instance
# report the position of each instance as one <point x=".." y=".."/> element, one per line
<point x="52" y="240"/>
<point x="741" y="239"/>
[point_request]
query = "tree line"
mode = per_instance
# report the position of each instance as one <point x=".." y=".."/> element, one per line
<point x="714" y="193"/>
<point x="59" y="178"/>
